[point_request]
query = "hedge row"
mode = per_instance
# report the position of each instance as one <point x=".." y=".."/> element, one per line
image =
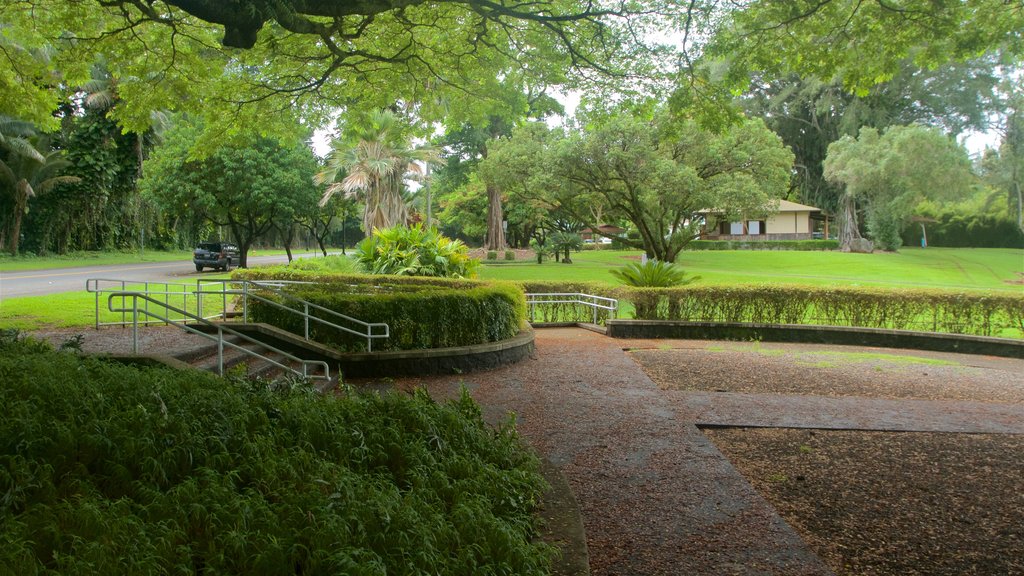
<point x="542" y="313"/>
<point x="804" y="245"/>
<point x="985" y="314"/>
<point x="421" y="313"/>
<point x="121" y="470"/>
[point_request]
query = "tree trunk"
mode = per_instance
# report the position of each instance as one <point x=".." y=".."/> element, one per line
<point x="495" y="218"/>
<point x="1020" y="204"/>
<point x="288" y="238"/>
<point x="22" y="189"/>
<point x="848" y="232"/>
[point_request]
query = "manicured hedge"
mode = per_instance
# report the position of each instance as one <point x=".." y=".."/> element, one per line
<point x="985" y="314"/>
<point x="421" y="313"/>
<point x="806" y="245"/>
<point x="110" y="469"/>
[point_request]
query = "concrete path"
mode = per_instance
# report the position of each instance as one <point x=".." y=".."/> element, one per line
<point x="656" y="496"/>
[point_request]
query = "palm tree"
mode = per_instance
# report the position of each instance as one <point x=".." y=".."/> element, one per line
<point x="372" y="163"/>
<point x="27" y="172"/>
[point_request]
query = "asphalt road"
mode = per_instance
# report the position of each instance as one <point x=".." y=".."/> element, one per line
<point x="41" y="282"/>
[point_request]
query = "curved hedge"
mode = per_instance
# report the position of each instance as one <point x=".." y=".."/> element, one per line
<point x="420" y="312"/>
<point x="122" y="470"/>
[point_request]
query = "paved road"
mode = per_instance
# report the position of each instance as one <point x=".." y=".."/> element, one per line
<point x="40" y="282"/>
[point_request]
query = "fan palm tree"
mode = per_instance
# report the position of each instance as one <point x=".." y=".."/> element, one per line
<point x="25" y="173"/>
<point x="372" y="164"/>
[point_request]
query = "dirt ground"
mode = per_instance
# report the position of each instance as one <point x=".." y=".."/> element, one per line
<point x="892" y="503"/>
<point x="872" y="503"/>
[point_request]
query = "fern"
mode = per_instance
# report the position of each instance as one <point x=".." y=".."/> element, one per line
<point x="653" y="274"/>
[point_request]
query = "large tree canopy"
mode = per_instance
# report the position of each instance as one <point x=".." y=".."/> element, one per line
<point x="263" y="62"/>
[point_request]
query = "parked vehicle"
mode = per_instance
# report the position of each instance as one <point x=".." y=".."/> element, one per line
<point x="217" y="255"/>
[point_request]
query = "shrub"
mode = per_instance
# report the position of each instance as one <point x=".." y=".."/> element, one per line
<point x="653" y="274"/>
<point x="420" y="312"/>
<point x="154" y="471"/>
<point x="803" y="245"/>
<point x="415" y="251"/>
<point x="492" y="255"/>
<point x="984" y="314"/>
<point x="329" y="264"/>
<point x="562" y="312"/>
<point x="510" y="255"/>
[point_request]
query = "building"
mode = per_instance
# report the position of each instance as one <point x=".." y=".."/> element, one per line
<point x="792" y="222"/>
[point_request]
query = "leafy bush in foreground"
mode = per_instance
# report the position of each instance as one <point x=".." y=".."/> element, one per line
<point x="108" y="469"/>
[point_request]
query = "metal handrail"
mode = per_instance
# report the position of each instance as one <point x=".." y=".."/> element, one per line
<point x="94" y="285"/>
<point x="595" y="302"/>
<point x="221" y="330"/>
<point x="276" y="288"/>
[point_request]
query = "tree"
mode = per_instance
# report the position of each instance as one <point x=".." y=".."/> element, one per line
<point x="891" y="174"/>
<point x="809" y="114"/>
<point x="266" y="61"/>
<point x="661" y="175"/>
<point x="1004" y="168"/>
<point x="28" y="171"/>
<point x="373" y="159"/>
<point x="245" y="188"/>
<point x="863" y="43"/>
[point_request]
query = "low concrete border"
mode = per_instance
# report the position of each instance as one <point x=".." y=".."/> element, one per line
<point x="934" y="341"/>
<point x="399" y="362"/>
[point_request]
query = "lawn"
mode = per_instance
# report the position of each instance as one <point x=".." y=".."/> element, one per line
<point x="78" y="309"/>
<point x="950" y="268"/>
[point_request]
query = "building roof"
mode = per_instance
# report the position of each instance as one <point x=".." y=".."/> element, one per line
<point x="787" y="206"/>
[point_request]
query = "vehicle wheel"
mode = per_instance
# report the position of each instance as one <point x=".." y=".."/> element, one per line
<point x="199" y="268"/>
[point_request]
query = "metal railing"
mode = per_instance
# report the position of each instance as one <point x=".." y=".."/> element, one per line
<point x="250" y="289"/>
<point x="597" y="303"/>
<point x="169" y="291"/>
<point x="220" y="329"/>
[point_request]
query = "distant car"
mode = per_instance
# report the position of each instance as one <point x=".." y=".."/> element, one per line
<point x="218" y="255"/>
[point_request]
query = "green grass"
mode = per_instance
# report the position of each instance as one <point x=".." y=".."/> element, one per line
<point x="10" y="263"/>
<point x="78" y="309"/>
<point x="948" y="268"/>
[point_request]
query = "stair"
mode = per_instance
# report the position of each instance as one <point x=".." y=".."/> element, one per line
<point x="205" y="358"/>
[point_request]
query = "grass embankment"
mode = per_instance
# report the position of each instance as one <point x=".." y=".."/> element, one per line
<point x="78" y="309"/>
<point x="944" y="268"/>
<point x="122" y="470"/>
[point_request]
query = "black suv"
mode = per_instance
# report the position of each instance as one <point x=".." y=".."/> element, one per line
<point x="220" y="255"/>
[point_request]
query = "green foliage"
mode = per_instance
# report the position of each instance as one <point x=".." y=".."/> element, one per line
<point x="653" y="274"/>
<point x="326" y="265"/>
<point x="985" y="314"/>
<point x="799" y="245"/>
<point x="563" y="312"/>
<point x="510" y="255"/>
<point x="250" y="186"/>
<point x="415" y="251"/>
<point x="956" y="228"/>
<point x="659" y="174"/>
<point x="492" y="255"/>
<point x="892" y="173"/>
<point x="155" y="471"/>
<point x="421" y="312"/>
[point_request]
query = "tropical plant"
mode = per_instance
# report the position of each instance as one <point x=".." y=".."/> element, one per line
<point x="29" y="168"/>
<point x="415" y="251"/>
<point x="653" y="274"/>
<point x="372" y="162"/>
<point x="565" y="242"/>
